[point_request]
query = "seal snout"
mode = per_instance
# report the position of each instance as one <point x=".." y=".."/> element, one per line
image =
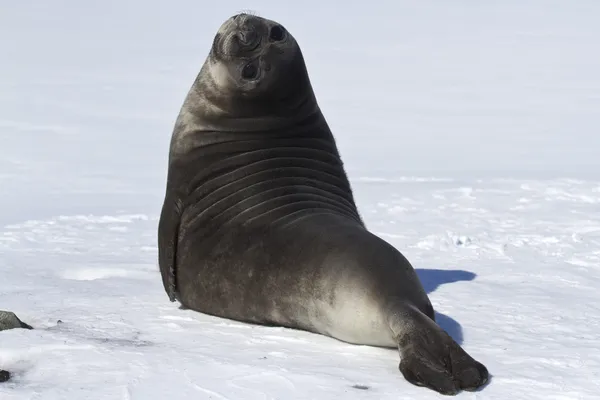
<point x="253" y="25"/>
<point x="248" y="37"/>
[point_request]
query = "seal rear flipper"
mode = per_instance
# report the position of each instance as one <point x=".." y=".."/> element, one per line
<point x="168" y="235"/>
<point x="430" y="357"/>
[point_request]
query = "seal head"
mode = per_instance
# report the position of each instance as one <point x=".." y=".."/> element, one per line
<point x="253" y="59"/>
<point x="254" y="79"/>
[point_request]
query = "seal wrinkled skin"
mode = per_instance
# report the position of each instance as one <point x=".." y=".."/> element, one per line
<point x="259" y="222"/>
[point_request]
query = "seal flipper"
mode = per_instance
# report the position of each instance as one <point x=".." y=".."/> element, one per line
<point x="168" y="236"/>
<point x="430" y="357"/>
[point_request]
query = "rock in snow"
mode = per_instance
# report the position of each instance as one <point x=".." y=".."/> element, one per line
<point x="9" y="320"/>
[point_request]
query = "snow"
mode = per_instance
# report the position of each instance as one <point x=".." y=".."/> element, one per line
<point x="469" y="131"/>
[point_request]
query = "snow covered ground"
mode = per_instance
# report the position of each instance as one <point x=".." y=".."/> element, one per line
<point x="470" y="133"/>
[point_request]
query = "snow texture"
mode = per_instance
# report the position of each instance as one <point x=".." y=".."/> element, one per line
<point x="470" y="134"/>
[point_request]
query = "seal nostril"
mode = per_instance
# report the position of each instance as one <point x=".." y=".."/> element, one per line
<point x="250" y="71"/>
<point x="277" y="33"/>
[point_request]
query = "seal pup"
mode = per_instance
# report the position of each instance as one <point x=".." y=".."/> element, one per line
<point x="259" y="223"/>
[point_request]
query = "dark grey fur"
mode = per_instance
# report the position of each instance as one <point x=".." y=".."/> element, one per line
<point x="259" y="222"/>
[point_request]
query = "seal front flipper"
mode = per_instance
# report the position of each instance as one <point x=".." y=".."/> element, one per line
<point x="168" y="235"/>
<point x="430" y="357"/>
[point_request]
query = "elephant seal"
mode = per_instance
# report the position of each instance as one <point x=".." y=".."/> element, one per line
<point x="259" y="223"/>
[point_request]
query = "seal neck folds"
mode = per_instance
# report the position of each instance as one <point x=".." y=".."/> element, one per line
<point x="265" y="150"/>
<point x="257" y="182"/>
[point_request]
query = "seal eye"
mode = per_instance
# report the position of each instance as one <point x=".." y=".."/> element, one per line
<point x="250" y="71"/>
<point x="277" y="33"/>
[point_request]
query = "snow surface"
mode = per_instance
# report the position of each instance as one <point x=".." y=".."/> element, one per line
<point x="470" y="133"/>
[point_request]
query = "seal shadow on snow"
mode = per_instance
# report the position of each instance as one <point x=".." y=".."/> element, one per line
<point x="431" y="279"/>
